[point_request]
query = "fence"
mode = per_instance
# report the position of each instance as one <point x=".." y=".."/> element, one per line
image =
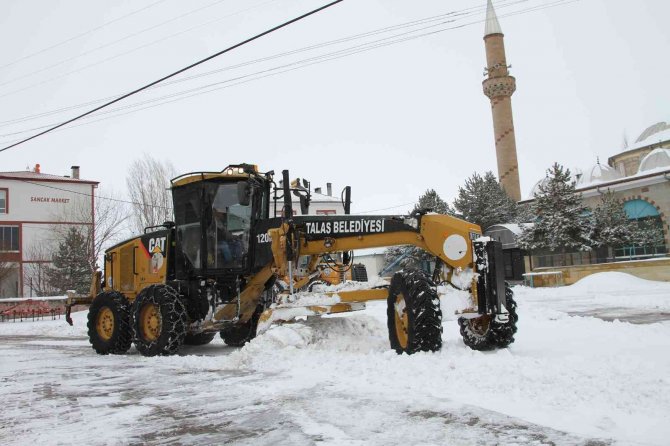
<point x="595" y="257"/>
<point x="22" y="309"/>
<point x="32" y="315"/>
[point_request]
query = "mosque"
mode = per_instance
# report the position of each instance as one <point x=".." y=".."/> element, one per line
<point x="639" y="176"/>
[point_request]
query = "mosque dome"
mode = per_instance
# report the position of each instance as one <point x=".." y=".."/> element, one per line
<point x="656" y="159"/>
<point x="599" y="174"/>
<point x="536" y="189"/>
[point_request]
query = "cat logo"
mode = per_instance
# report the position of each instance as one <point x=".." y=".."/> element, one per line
<point x="156" y="259"/>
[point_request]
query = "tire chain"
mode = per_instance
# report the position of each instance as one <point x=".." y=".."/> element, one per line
<point x="499" y="334"/>
<point x="124" y="339"/>
<point x="176" y="312"/>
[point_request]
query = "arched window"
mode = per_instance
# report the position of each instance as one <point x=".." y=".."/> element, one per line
<point x="650" y="237"/>
<point x="637" y="209"/>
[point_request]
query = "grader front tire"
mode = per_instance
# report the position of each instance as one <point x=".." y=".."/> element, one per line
<point x="109" y="330"/>
<point x="413" y="313"/>
<point x="485" y="333"/>
<point x="159" y="321"/>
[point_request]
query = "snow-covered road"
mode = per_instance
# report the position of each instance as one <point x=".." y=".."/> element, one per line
<point x="566" y="380"/>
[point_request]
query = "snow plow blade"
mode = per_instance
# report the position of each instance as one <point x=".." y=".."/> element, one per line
<point x="286" y="313"/>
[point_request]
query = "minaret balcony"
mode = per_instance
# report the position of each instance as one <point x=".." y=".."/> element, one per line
<point x="499" y="86"/>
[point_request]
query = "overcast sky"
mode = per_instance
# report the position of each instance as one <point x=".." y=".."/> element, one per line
<point x="391" y="122"/>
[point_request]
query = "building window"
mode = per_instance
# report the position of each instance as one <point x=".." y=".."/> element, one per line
<point x="649" y="223"/>
<point x="9" y="239"/>
<point x="4" y="201"/>
<point x="326" y="212"/>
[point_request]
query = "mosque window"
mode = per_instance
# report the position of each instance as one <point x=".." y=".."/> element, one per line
<point x="650" y="239"/>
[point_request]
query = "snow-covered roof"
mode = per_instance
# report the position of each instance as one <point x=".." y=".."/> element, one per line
<point x="656" y="159"/>
<point x="598" y="173"/>
<point x="514" y="228"/>
<point x="657" y="133"/>
<point x="36" y="176"/>
<point x="492" y="24"/>
<point x="319" y="198"/>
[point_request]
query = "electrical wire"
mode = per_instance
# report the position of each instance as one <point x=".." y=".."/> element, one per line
<point x="251" y="39"/>
<point x="116" y="56"/>
<point x="275" y="56"/>
<point x="85" y="33"/>
<point x="117" y="200"/>
<point x="284" y="68"/>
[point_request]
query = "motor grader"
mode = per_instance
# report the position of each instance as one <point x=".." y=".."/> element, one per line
<point x="215" y="268"/>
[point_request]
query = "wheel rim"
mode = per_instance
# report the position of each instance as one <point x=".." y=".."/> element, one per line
<point x="401" y="321"/>
<point x="150" y="322"/>
<point x="480" y="326"/>
<point x="104" y="324"/>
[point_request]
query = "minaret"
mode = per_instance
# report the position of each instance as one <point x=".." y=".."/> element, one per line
<point x="499" y="87"/>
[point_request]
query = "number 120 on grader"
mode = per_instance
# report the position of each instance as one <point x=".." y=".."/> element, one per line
<point x="218" y="266"/>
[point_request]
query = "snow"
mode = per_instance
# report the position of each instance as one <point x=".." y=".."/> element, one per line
<point x="655" y="138"/>
<point x="570" y="378"/>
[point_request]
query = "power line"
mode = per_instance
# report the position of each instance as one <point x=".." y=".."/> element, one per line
<point x="257" y="36"/>
<point x="367" y="46"/>
<point x="254" y="61"/>
<point x="117" y="200"/>
<point x="184" y="94"/>
<point x="105" y="45"/>
<point x="391" y="207"/>
<point x="85" y="33"/>
<point x="116" y="56"/>
<point x="469" y="11"/>
<point x="187" y="93"/>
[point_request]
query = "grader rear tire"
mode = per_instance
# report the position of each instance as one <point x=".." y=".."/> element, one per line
<point x="109" y="330"/>
<point x="485" y="333"/>
<point x="199" y="338"/>
<point x="159" y="321"/>
<point x="413" y="313"/>
<point x="238" y="335"/>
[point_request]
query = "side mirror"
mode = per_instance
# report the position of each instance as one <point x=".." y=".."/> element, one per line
<point x="304" y="205"/>
<point x="244" y="193"/>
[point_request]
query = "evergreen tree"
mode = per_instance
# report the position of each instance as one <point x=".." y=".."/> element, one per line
<point x="411" y="256"/>
<point x="561" y="224"/>
<point x="483" y="201"/>
<point x="610" y="225"/>
<point x="647" y="233"/>
<point x="431" y="201"/>
<point x="71" y="270"/>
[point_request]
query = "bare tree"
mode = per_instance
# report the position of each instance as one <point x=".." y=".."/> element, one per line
<point x="109" y="218"/>
<point x="148" y="182"/>
<point x="35" y="269"/>
<point x="6" y="270"/>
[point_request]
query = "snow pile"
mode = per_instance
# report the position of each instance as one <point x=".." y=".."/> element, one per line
<point x="617" y="282"/>
<point x="603" y="290"/>
<point x="566" y="380"/>
<point x="47" y="327"/>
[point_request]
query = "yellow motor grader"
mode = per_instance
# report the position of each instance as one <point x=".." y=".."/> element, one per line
<point x="214" y="270"/>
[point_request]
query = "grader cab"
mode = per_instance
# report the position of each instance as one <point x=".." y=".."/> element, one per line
<point x="215" y="269"/>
